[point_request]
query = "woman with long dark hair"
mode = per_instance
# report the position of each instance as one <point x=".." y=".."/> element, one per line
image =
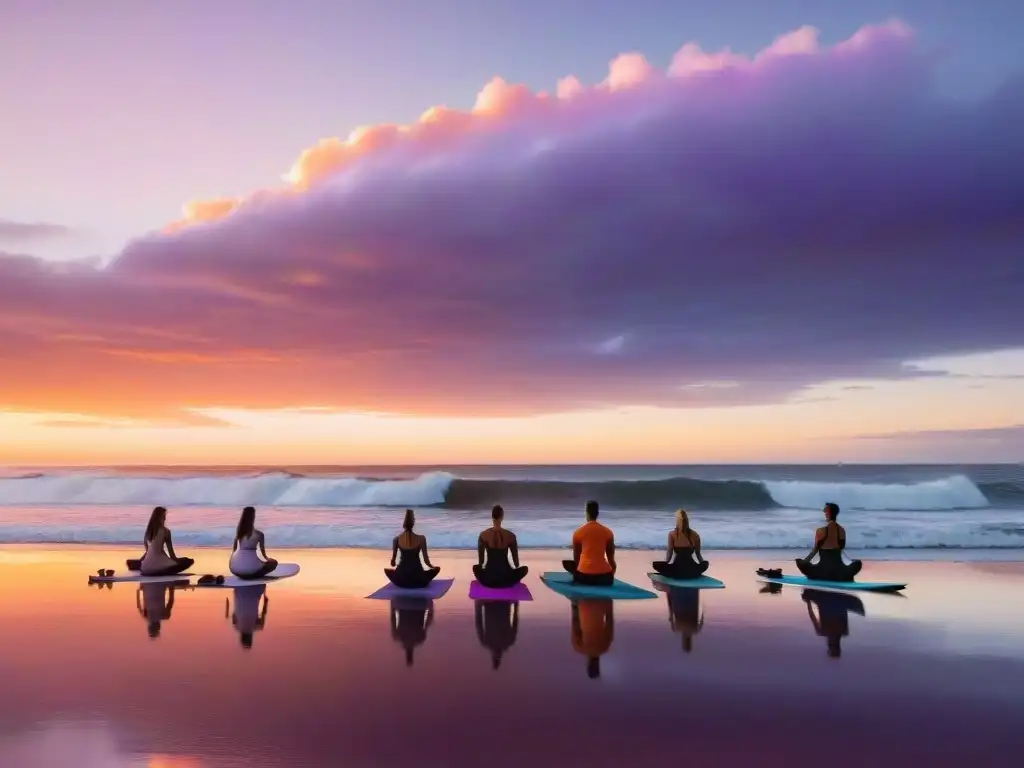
<point x="683" y="559"/>
<point x="410" y="573"/>
<point x="160" y="558"/>
<point x="249" y="544"/>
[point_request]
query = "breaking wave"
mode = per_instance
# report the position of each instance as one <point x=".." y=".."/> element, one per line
<point x="440" y="489"/>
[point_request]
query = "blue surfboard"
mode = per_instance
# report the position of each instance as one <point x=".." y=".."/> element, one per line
<point x="701" y="582"/>
<point x="562" y="583"/>
<point x="835" y="586"/>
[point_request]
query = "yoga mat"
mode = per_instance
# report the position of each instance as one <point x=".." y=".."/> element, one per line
<point x="835" y="586"/>
<point x="138" y="577"/>
<point x="283" y="571"/>
<point x="701" y="582"/>
<point x="435" y="589"/>
<point x="619" y="590"/>
<point x="519" y="592"/>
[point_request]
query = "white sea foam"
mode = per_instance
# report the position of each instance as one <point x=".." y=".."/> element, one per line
<point x="299" y="527"/>
<point x="956" y="492"/>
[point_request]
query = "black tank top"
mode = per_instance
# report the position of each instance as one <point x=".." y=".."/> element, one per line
<point x="497" y="560"/>
<point x="409" y="562"/>
<point x="681" y="554"/>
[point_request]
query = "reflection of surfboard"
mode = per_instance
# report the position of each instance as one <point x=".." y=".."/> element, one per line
<point x="835" y="586"/>
<point x="138" y="577"/>
<point x="563" y="584"/>
<point x="701" y="582"/>
<point x="283" y="571"/>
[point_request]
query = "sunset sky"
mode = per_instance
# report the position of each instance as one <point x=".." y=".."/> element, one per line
<point x="551" y="231"/>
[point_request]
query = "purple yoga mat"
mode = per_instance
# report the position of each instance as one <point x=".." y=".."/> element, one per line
<point x="520" y="591"/>
<point x="435" y="589"/>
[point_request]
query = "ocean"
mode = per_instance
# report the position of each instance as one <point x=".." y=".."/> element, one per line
<point x="890" y="507"/>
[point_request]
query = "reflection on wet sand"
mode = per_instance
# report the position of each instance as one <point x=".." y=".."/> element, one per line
<point x="593" y="630"/>
<point x="248" y="616"/>
<point x="497" y="625"/>
<point x="833" y="618"/>
<point x="684" y="614"/>
<point x="155" y="602"/>
<point x="410" y="620"/>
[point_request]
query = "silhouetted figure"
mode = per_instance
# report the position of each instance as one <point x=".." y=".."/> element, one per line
<point x="410" y="620"/>
<point x="250" y="543"/>
<point x="248" y="616"/>
<point x="684" y="614"/>
<point x="829" y="543"/>
<point x="410" y="573"/>
<point x="682" y="556"/>
<point x="593" y="552"/>
<point x="593" y="630"/>
<point x="494" y="549"/>
<point x="497" y="625"/>
<point x="160" y="558"/>
<point x="155" y="603"/>
<point x="833" y="619"/>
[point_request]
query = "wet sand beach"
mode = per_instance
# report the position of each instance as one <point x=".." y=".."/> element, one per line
<point x="717" y="678"/>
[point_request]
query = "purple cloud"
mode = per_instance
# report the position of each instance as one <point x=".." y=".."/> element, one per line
<point x="806" y="215"/>
<point x="23" y="232"/>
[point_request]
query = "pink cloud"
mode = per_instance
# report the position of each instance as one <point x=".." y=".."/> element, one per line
<point x="772" y="221"/>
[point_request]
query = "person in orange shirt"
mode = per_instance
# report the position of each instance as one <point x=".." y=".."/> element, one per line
<point x="593" y="629"/>
<point x="593" y="552"/>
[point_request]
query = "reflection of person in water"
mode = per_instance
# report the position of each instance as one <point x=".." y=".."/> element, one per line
<point x="410" y="620"/>
<point x="248" y="617"/>
<point x="684" y="614"/>
<point x="497" y="624"/>
<point x="833" y="619"/>
<point x="155" y="601"/>
<point x="593" y="629"/>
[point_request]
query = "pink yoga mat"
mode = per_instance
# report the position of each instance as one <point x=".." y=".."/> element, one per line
<point x="520" y="591"/>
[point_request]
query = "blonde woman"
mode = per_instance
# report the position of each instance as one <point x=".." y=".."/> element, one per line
<point x="682" y="558"/>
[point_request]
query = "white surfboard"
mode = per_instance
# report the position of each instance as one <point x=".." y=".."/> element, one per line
<point x="138" y="578"/>
<point x="283" y="571"/>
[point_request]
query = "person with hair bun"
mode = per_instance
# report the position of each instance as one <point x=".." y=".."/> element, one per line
<point x="829" y="543"/>
<point x="406" y="571"/>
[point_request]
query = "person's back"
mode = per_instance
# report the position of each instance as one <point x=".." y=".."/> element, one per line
<point x="245" y="557"/>
<point x="593" y="552"/>
<point x="593" y="539"/>
<point x="245" y="561"/>
<point x="406" y="571"/>
<point x="409" y="545"/>
<point x="156" y="558"/>
<point x="683" y="559"/>
<point x="494" y="548"/>
<point x="829" y="543"/>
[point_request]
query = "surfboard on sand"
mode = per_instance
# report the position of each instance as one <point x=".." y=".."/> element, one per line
<point x="834" y="586"/>
<point x="701" y="582"/>
<point x="137" y="578"/>
<point x="283" y="571"/>
<point x="562" y="583"/>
